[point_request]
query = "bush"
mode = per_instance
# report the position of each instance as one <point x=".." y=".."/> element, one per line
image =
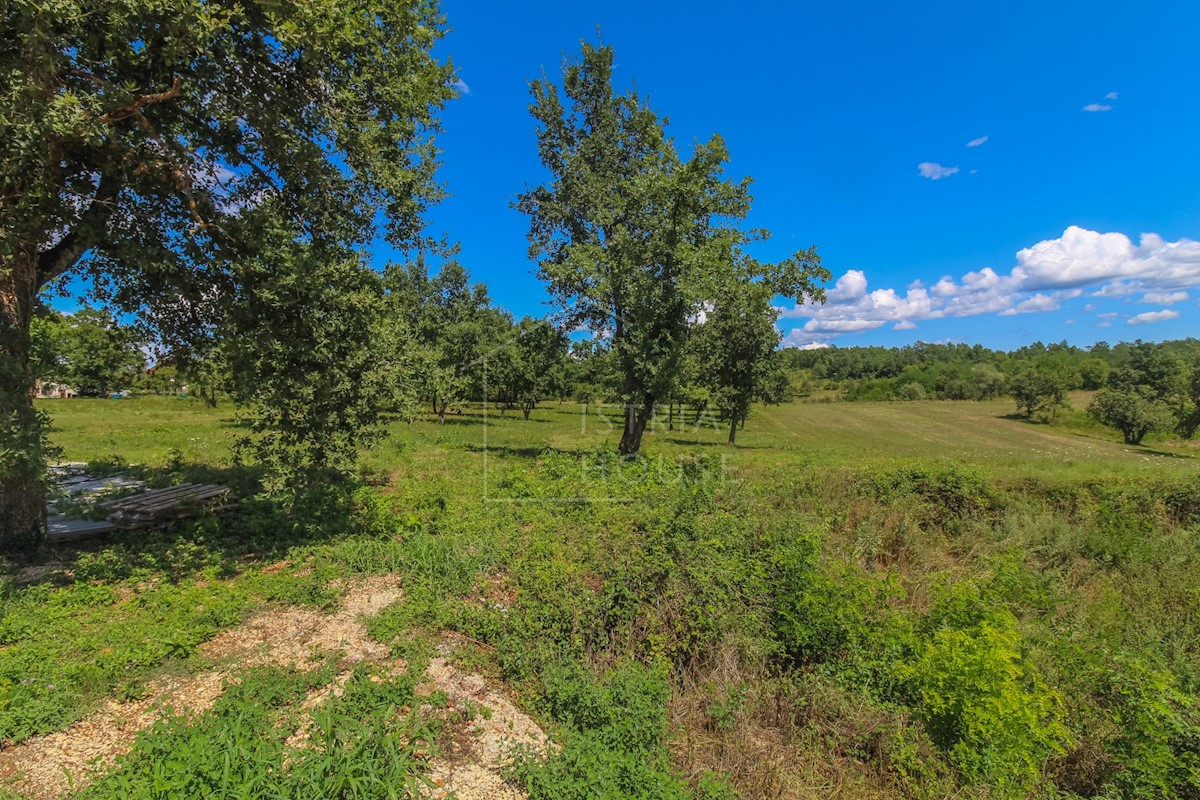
<point x="983" y="703"/>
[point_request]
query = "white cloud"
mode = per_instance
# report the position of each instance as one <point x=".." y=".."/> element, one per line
<point x="1164" y="298"/>
<point x="1045" y="276"/>
<point x="1110" y="96"/>
<point x="1033" y="305"/>
<point x="1149" y="317"/>
<point x="977" y="142"/>
<point x="934" y="171"/>
<point x="842" y="325"/>
<point x="800" y="340"/>
<point x="1097" y="107"/>
<point x="462" y="86"/>
<point x="850" y="286"/>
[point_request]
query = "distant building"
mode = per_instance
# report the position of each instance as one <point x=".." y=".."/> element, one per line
<point x="52" y="389"/>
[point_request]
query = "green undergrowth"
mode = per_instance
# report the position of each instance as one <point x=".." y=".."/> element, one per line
<point x="1016" y="619"/>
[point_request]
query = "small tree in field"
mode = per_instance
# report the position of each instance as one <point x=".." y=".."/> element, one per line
<point x="1134" y="413"/>
<point x="1038" y="392"/>
<point x="735" y="347"/>
<point x="538" y="349"/>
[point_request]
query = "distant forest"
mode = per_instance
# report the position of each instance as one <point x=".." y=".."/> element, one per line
<point x="1141" y="387"/>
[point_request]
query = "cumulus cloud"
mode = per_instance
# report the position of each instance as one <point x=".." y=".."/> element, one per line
<point x="1045" y="276"/>
<point x="1110" y="96"/>
<point x="977" y="142"/>
<point x="1097" y="107"/>
<point x="1164" y="298"/>
<point x="850" y="286"/>
<point x="1032" y="305"/>
<point x="1148" y="317"/>
<point x="934" y="171"/>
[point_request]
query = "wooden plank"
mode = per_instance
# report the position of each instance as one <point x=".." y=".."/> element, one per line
<point x="160" y="505"/>
<point x="152" y="494"/>
<point x="63" y="529"/>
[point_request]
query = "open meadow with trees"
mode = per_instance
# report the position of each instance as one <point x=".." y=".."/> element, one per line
<point x="635" y="548"/>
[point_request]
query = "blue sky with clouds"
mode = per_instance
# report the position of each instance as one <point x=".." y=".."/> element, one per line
<point x="992" y="173"/>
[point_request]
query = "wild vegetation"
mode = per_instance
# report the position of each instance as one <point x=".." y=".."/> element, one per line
<point x="935" y="598"/>
<point x="892" y="600"/>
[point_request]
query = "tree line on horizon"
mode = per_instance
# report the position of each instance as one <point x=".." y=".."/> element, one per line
<point x="1141" y="387"/>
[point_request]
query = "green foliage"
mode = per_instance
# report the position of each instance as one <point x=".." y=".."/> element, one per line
<point x="309" y="364"/>
<point x="88" y="350"/>
<point x="1157" y="744"/>
<point x="982" y="701"/>
<point x="1132" y="412"/>
<point x="614" y="739"/>
<point x="450" y="328"/>
<point x="735" y="348"/>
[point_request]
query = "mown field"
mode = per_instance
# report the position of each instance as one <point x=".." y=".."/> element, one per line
<point x="923" y="599"/>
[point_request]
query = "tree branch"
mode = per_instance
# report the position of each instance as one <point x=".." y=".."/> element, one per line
<point x="84" y="236"/>
<point x="140" y="102"/>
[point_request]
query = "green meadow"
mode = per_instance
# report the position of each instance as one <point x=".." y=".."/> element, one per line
<point x="919" y="599"/>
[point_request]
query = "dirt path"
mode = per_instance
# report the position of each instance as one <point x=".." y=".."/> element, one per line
<point x="472" y="769"/>
<point x="44" y="768"/>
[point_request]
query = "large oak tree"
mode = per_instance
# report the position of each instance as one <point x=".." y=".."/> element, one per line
<point x="135" y="136"/>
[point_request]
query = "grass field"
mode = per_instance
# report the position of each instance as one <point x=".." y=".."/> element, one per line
<point x="926" y="599"/>
<point x="147" y="430"/>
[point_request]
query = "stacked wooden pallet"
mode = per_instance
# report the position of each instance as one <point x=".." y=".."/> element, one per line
<point x="163" y="505"/>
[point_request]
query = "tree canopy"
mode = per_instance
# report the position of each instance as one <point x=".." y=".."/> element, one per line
<point x="139" y="140"/>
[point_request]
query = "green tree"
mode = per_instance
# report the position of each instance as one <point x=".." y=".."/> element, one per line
<point x="1135" y="412"/>
<point x="735" y="345"/>
<point x="136" y="134"/>
<point x="1038" y="391"/>
<point x="1094" y="373"/>
<point x="452" y="326"/>
<point x="97" y="354"/>
<point x="308" y="365"/>
<point x="630" y="235"/>
<point x="538" y="348"/>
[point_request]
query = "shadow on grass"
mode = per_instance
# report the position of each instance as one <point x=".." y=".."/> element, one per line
<point x="260" y="531"/>
<point x="528" y="453"/>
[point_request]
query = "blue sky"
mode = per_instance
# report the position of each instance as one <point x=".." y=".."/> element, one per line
<point x="856" y="122"/>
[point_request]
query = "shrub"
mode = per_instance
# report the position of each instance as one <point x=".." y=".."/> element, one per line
<point x="983" y="703"/>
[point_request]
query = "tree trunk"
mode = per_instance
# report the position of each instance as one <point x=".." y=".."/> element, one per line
<point x="733" y="426"/>
<point x="441" y="411"/>
<point x="671" y="416"/>
<point x="22" y="460"/>
<point x="636" y="419"/>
